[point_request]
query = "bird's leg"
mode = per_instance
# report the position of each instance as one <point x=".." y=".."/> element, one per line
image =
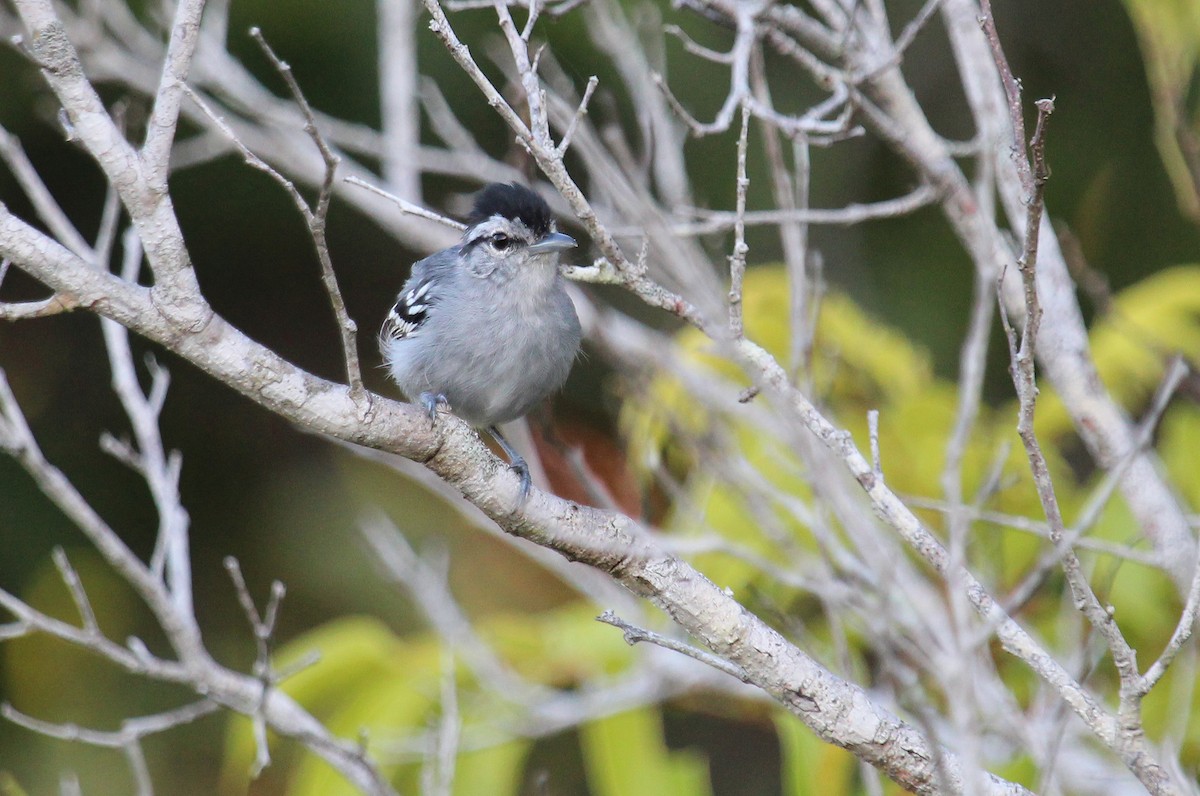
<point x="515" y="461"/>
<point x="431" y="400"/>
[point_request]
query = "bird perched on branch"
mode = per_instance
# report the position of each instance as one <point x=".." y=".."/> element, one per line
<point x="486" y="326"/>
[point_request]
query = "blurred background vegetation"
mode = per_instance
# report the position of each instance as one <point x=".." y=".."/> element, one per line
<point x="287" y="505"/>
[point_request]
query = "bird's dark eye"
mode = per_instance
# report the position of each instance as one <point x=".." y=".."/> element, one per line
<point x="500" y="241"/>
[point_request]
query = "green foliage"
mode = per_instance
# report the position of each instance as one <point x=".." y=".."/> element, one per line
<point x="562" y="648"/>
<point x="9" y="785"/>
<point x="812" y="767"/>
<point x="497" y="769"/>
<point x="627" y="756"/>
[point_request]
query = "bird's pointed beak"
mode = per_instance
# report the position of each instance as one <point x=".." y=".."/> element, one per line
<point x="554" y="242"/>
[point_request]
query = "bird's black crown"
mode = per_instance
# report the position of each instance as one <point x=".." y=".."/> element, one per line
<point x="512" y="201"/>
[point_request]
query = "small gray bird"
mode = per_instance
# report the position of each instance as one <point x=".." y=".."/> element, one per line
<point x="486" y="326"/>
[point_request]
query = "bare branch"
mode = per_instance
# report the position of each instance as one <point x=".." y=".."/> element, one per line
<point x="11" y="630"/>
<point x="896" y="55"/>
<point x="1027" y="525"/>
<point x="1091" y="510"/>
<point x="149" y="206"/>
<point x="972" y="367"/>
<point x="1148" y="770"/>
<point x="1179" y="637"/>
<point x="791" y="192"/>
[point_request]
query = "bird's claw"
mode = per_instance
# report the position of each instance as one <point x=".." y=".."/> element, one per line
<point x="431" y="401"/>
<point x="518" y="466"/>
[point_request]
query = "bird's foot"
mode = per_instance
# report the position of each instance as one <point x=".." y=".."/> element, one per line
<point x="431" y="401"/>
<point x="515" y="463"/>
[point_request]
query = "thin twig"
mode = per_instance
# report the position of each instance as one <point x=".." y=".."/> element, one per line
<point x="252" y="160"/>
<point x="409" y="207"/>
<point x="1191" y="608"/>
<point x="16" y="436"/>
<point x="316" y="218"/>
<point x="972" y="367"/>
<point x="1095" y="504"/>
<point x="1023" y="356"/>
<point x="633" y="635"/>
<point x="263" y="627"/>
<point x="427" y="590"/>
<point x="896" y="54"/>
<point x="131" y="729"/>
<point x="25" y="310"/>
<point x="44" y="203"/>
<point x="873" y="434"/>
<point x="972" y="364"/>
<point x="106" y="237"/>
<point x="1012" y="91"/>
<point x="437" y="772"/>
<point x="11" y="630"/>
<point x="791" y="192"/>
<point x="530" y="21"/>
<point x="127" y="739"/>
<point x="853" y="213"/>
<point x="75" y="586"/>
<point x="737" y="260"/>
<point x="150" y="459"/>
<point x="695" y="48"/>
<point x="1179" y="637"/>
<point x="1026" y="525"/>
<point x="565" y="143"/>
